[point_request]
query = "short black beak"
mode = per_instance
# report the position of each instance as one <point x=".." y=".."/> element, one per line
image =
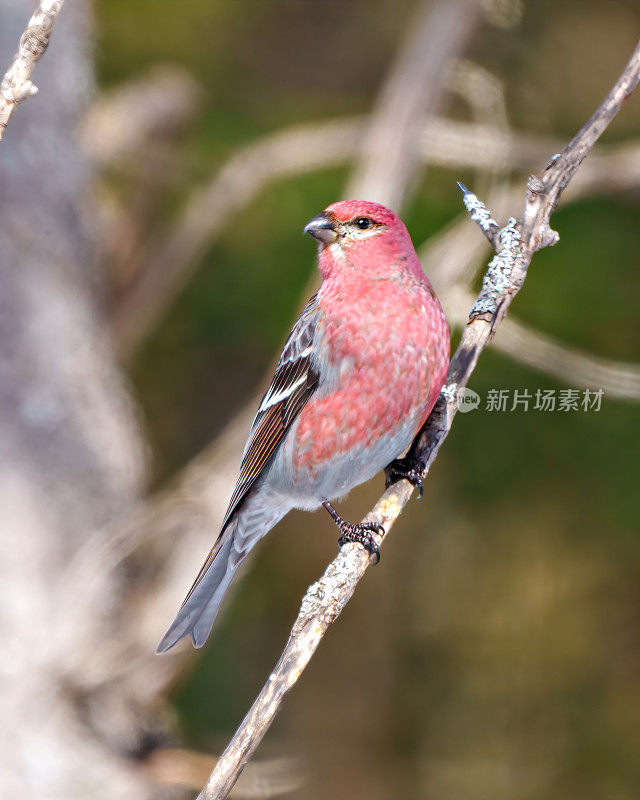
<point x="321" y="228"/>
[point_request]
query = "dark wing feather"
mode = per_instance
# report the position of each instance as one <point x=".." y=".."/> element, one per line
<point x="293" y="383"/>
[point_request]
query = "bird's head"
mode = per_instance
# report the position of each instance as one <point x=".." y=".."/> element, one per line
<point x="360" y="234"/>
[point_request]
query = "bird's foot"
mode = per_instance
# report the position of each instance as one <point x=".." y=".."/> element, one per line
<point x="361" y="532"/>
<point x="409" y="469"/>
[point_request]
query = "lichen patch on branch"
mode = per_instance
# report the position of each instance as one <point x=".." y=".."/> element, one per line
<point x="16" y="84"/>
<point x="478" y="211"/>
<point x="498" y="274"/>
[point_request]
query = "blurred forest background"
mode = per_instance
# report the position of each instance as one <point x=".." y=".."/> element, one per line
<point x="496" y="650"/>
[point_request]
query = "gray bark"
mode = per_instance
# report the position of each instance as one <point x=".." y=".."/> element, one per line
<point x="70" y="452"/>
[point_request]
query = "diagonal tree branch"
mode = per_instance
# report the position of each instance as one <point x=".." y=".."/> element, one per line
<point x="326" y="598"/>
<point x="16" y="84"/>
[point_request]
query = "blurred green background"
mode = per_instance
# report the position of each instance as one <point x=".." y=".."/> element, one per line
<point x="496" y="650"/>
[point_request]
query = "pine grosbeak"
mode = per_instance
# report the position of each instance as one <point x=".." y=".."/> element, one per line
<point x="359" y="375"/>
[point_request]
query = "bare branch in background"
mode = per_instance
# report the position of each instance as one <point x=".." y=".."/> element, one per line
<point x="126" y="119"/>
<point x="16" y="84"/>
<point x="568" y="364"/>
<point x="388" y="153"/>
<point x="485" y="95"/>
<point x="482" y="91"/>
<point x="505" y="275"/>
<point x="209" y="210"/>
<point x="292" y="152"/>
<point x="413" y="89"/>
<point x="260" y="781"/>
<point x="504" y="14"/>
<point x="133" y="129"/>
<point x="544" y="353"/>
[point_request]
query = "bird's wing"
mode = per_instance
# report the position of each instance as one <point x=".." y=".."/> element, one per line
<point x="293" y="383"/>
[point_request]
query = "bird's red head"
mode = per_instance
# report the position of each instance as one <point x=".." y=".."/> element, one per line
<point x="361" y="234"/>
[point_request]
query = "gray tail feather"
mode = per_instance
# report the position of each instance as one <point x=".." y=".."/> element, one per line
<point x="198" y="612"/>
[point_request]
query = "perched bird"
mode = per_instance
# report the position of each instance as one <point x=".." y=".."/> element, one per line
<point x="359" y="374"/>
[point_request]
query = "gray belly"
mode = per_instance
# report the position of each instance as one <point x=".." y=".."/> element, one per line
<point x="335" y="477"/>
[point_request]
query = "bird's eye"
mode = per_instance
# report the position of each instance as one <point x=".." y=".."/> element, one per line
<point x="363" y="223"/>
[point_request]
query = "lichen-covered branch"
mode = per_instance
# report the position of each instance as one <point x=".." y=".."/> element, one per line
<point x="326" y="598"/>
<point x="16" y="84"/>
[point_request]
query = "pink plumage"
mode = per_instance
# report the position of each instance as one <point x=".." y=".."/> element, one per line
<point x="384" y="329"/>
<point x="358" y="377"/>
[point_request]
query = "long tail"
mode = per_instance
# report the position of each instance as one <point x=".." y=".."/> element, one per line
<point x="255" y="517"/>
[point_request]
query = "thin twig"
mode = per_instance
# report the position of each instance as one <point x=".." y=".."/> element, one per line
<point x="480" y="213"/>
<point x="16" y="84"/>
<point x="325" y="599"/>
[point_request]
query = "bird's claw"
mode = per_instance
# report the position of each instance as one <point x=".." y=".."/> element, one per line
<point x="409" y="469"/>
<point x="361" y="532"/>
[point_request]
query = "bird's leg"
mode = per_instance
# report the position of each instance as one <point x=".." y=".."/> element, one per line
<point x="409" y="469"/>
<point x="358" y="532"/>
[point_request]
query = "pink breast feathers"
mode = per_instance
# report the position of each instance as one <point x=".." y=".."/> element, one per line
<point x="391" y="352"/>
